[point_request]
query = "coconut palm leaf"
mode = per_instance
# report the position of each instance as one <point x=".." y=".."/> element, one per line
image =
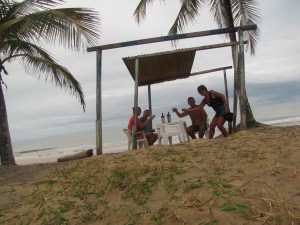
<point x="226" y="13"/>
<point x="23" y="26"/>
<point x="141" y="10"/>
<point x="246" y="12"/>
<point x="189" y="10"/>
<point x="40" y="64"/>
<point x="27" y="25"/>
<point x="219" y="11"/>
<point x="72" y="28"/>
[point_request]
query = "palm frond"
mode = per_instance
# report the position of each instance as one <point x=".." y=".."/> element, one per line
<point x="14" y="48"/>
<point x="74" y="28"/>
<point x="217" y="12"/>
<point x="188" y="12"/>
<point x="25" y="7"/>
<point x="141" y="10"/>
<point x="39" y="63"/>
<point x="246" y="12"/>
<point x="53" y="73"/>
<point x="30" y="6"/>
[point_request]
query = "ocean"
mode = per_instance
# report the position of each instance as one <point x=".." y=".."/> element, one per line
<point x="50" y="148"/>
<point x="114" y="140"/>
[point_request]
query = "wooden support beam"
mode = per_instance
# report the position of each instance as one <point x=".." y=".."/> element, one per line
<point x="99" y="145"/>
<point x="242" y="91"/>
<point x="173" y="37"/>
<point x="199" y="48"/>
<point x="136" y="97"/>
<point x="150" y="103"/>
<point x="227" y="99"/>
<point x="235" y="87"/>
<point x="211" y="70"/>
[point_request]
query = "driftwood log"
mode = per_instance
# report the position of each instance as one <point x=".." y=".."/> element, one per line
<point x="79" y="155"/>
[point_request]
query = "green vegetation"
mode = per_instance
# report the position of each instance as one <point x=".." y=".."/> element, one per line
<point x="160" y="185"/>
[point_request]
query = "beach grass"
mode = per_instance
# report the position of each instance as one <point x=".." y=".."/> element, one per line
<point x="250" y="177"/>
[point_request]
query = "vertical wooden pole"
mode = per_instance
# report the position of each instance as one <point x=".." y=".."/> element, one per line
<point x="99" y="104"/>
<point x="227" y="99"/>
<point x="242" y="91"/>
<point x="136" y="96"/>
<point x="235" y="88"/>
<point x="149" y="102"/>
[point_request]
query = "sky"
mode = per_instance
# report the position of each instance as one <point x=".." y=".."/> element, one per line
<point x="39" y="109"/>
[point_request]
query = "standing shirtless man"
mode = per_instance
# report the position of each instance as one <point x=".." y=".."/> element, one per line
<point x="198" y="118"/>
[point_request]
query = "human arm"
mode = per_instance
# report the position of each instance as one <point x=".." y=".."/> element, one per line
<point x="142" y="125"/>
<point x="180" y="115"/>
<point x="198" y="107"/>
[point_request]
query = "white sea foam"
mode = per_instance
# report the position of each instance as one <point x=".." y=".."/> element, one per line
<point x="285" y="121"/>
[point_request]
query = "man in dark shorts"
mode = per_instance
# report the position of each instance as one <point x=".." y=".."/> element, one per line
<point x="198" y="118"/>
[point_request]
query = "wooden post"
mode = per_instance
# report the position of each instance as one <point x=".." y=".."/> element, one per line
<point x="136" y="96"/>
<point x="235" y="87"/>
<point x="227" y="99"/>
<point x="99" y="104"/>
<point x="173" y="37"/>
<point x="149" y="102"/>
<point x="242" y="90"/>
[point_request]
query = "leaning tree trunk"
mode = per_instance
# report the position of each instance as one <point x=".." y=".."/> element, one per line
<point x="6" y="151"/>
<point x="250" y="121"/>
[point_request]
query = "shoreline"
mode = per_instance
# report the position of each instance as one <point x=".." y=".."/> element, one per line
<point x="28" y="160"/>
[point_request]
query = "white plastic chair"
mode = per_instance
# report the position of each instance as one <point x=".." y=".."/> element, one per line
<point x="141" y="142"/>
<point x="166" y="131"/>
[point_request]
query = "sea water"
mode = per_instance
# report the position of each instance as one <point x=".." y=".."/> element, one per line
<point x="114" y="140"/>
<point x="50" y="148"/>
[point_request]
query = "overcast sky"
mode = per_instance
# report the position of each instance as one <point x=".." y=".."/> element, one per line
<point x="38" y="109"/>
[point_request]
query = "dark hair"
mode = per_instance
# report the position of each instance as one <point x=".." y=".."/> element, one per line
<point x="191" y="98"/>
<point x="201" y="88"/>
<point x="137" y="108"/>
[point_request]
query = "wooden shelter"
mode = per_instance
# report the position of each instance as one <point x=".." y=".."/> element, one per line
<point x="172" y="65"/>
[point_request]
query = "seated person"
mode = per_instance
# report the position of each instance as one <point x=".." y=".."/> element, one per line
<point x="151" y="137"/>
<point x="198" y="118"/>
<point x="144" y="118"/>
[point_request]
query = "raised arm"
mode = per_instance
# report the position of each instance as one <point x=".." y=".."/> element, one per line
<point x="145" y="124"/>
<point x="198" y="107"/>
<point x="180" y="115"/>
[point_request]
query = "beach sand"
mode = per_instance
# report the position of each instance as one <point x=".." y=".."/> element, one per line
<point x="250" y="177"/>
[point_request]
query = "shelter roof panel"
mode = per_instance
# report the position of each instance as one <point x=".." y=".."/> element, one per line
<point x="161" y="67"/>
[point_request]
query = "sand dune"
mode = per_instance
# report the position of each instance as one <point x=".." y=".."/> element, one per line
<point x="251" y="177"/>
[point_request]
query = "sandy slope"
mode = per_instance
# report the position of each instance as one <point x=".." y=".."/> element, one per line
<point x="251" y="177"/>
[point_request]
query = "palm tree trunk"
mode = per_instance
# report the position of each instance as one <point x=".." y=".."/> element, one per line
<point x="6" y="151"/>
<point x="250" y="121"/>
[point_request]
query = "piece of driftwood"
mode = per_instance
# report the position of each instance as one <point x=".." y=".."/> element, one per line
<point x="79" y="155"/>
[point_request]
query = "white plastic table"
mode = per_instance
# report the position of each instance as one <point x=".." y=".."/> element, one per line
<point x="182" y="127"/>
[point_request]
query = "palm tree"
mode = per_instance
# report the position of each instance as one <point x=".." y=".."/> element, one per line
<point x="24" y="27"/>
<point x="226" y="13"/>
